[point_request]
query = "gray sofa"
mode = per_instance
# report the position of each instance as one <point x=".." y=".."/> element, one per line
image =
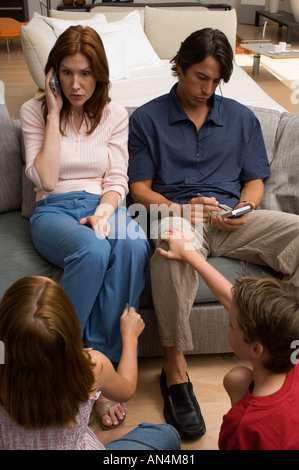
<point x="209" y="320"/>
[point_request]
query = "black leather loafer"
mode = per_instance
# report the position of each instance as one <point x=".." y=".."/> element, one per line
<point x="181" y="409"/>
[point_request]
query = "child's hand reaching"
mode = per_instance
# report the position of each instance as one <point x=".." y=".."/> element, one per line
<point x="120" y="385"/>
<point x="179" y="244"/>
<point x="181" y="248"/>
<point x="131" y="324"/>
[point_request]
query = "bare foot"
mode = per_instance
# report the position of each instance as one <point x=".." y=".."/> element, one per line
<point x="109" y="413"/>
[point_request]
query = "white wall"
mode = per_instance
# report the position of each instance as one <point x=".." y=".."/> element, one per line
<point x="283" y="5"/>
<point x="33" y="5"/>
<point x="249" y="7"/>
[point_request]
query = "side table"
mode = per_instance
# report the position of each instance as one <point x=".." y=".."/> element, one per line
<point x="283" y="18"/>
<point x="216" y="5"/>
<point x="74" y="7"/>
<point x="119" y="3"/>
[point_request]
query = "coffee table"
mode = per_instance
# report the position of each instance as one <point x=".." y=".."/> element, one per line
<point x="267" y="49"/>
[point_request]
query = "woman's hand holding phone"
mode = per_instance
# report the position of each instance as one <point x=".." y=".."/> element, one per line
<point x="54" y="101"/>
<point x="54" y="84"/>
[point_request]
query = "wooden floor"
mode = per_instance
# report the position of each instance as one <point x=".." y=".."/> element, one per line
<point x="206" y="372"/>
<point x="19" y="86"/>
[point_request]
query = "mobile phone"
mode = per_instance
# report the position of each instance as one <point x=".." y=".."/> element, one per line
<point x="236" y="212"/>
<point x="54" y="84"/>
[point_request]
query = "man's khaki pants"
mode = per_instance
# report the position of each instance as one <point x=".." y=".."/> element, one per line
<point x="269" y="238"/>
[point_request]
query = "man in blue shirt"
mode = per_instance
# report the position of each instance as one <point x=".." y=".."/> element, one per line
<point x="201" y="165"/>
<point x="192" y="148"/>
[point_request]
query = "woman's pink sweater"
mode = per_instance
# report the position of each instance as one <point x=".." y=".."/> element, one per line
<point x="96" y="163"/>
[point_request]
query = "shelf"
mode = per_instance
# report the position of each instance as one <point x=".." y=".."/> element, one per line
<point x="16" y="9"/>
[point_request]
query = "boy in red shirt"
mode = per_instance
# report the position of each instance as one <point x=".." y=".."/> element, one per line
<point x="264" y="329"/>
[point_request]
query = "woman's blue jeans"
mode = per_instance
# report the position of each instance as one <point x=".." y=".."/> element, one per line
<point x="100" y="274"/>
<point x="148" y="436"/>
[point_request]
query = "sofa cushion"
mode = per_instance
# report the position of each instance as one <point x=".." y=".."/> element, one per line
<point x="269" y="119"/>
<point x="21" y="258"/>
<point x="59" y="25"/>
<point x="112" y="14"/>
<point x="138" y="52"/>
<point x="24" y="260"/>
<point x="113" y="42"/>
<point x="281" y="188"/>
<point x="72" y="14"/>
<point x="231" y="269"/>
<point x="28" y="193"/>
<point x="10" y="164"/>
<point x="166" y="29"/>
<point x="209" y="325"/>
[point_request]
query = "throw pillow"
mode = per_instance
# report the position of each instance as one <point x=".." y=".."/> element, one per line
<point x="113" y="43"/>
<point x="139" y="52"/>
<point x="59" y="26"/>
<point x="166" y="28"/>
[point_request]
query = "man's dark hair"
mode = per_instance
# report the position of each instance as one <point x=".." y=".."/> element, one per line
<point x="202" y="44"/>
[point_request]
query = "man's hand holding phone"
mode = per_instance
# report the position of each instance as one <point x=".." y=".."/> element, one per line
<point x="235" y="219"/>
<point x="235" y="213"/>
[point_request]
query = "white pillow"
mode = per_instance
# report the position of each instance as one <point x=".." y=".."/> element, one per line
<point x="59" y="26"/>
<point x="113" y="42"/>
<point x="139" y="52"/>
<point x="114" y="46"/>
<point x="126" y="45"/>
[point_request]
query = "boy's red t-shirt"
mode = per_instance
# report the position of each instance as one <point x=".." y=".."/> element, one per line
<point x="264" y="423"/>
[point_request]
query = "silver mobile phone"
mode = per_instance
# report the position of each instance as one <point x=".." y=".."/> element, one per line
<point x="54" y="84"/>
<point x="236" y="212"/>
